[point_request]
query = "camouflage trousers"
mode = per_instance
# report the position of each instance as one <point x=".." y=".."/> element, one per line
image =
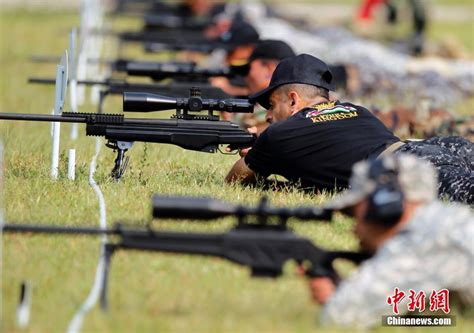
<point x="453" y="158"/>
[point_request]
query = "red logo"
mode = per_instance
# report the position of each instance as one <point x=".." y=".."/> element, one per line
<point x="439" y="300"/>
<point x="395" y="299"/>
<point x="417" y="301"/>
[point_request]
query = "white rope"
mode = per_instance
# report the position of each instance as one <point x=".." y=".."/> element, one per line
<point x="89" y="303"/>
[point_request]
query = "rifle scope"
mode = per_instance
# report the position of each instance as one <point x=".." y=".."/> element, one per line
<point x="146" y="102"/>
<point x="205" y="208"/>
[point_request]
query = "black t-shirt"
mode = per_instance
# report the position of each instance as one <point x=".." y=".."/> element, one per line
<point x="317" y="146"/>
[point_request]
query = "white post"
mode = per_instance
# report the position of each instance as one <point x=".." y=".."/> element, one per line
<point x="71" y="166"/>
<point x="61" y="84"/>
<point x="55" y="150"/>
<point x="23" y="309"/>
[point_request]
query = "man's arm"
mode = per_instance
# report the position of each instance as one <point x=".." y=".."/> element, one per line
<point x="241" y="173"/>
<point x="255" y="161"/>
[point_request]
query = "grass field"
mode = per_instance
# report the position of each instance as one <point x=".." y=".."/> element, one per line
<point x="148" y="292"/>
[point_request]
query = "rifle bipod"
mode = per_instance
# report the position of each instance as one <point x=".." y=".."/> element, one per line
<point x="121" y="161"/>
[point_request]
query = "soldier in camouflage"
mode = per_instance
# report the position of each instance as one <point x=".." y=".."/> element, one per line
<point x="453" y="158"/>
<point x="417" y="242"/>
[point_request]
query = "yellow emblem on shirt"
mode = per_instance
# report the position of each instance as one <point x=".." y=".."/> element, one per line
<point x="330" y="111"/>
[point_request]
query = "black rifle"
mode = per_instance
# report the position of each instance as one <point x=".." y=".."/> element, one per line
<point x="188" y="128"/>
<point x="160" y="71"/>
<point x="157" y="22"/>
<point x="174" y="41"/>
<point x="183" y="71"/>
<point x="254" y="242"/>
<point x="116" y="86"/>
<point x="201" y="47"/>
<point x="171" y="36"/>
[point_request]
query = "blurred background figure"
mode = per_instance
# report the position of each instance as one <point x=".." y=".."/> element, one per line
<point x="415" y="40"/>
<point x="239" y="42"/>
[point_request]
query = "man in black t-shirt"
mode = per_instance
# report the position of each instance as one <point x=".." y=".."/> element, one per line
<point x="312" y="141"/>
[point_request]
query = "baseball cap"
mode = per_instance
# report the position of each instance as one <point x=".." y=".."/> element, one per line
<point x="304" y="69"/>
<point x="265" y="49"/>
<point x="240" y="33"/>
<point x="417" y="179"/>
<point x="271" y="49"/>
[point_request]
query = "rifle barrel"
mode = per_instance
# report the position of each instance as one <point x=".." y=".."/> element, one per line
<point x="136" y="238"/>
<point x="51" y="229"/>
<point x="48" y="80"/>
<point x="41" y="117"/>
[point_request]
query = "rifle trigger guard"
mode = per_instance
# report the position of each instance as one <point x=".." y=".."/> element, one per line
<point x="233" y="152"/>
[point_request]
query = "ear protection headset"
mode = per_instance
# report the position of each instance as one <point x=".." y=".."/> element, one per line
<point x="386" y="202"/>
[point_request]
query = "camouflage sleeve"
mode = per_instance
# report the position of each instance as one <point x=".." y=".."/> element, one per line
<point x="411" y="260"/>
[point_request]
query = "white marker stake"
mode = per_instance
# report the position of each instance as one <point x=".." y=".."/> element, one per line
<point x="71" y="166"/>
<point x="23" y="308"/>
<point x="60" y="72"/>
<point x="61" y="85"/>
<point x="55" y="149"/>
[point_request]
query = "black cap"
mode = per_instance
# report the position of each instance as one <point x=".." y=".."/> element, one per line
<point x="304" y="69"/>
<point x="240" y="33"/>
<point x="271" y="49"/>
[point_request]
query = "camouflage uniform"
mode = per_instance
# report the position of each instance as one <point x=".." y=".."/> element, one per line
<point x="453" y="157"/>
<point x="432" y="251"/>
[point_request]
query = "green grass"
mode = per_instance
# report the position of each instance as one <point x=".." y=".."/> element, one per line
<point x="148" y="292"/>
<point x="462" y="33"/>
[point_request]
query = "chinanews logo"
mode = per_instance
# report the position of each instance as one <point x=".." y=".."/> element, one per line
<point x="330" y="112"/>
<point x="416" y="306"/>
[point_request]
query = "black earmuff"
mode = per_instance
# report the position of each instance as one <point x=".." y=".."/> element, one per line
<point x="386" y="202"/>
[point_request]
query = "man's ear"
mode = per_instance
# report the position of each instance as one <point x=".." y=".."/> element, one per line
<point x="294" y="99"/>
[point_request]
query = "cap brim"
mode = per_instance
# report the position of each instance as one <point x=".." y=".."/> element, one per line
<point x="263" y="96"/>
<point x="344" y="200"/>
<point x="241" y="70"/>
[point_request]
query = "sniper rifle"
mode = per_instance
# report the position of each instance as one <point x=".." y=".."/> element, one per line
<point x="254" y="242"/>
<point x="187" y="128"/>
